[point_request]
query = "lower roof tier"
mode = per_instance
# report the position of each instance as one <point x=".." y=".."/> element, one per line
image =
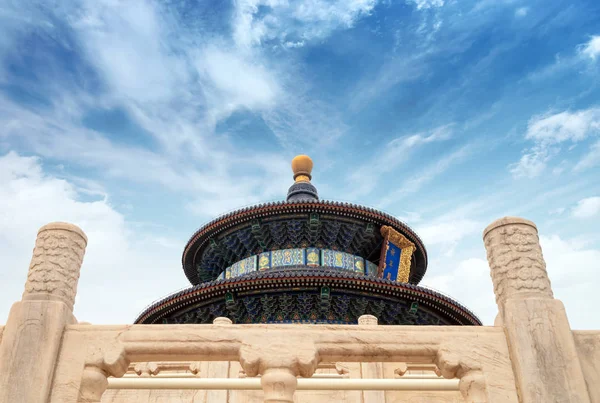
<point x="303" y="294"/>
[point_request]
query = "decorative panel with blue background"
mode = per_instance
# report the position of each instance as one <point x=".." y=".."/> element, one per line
<point x="264" y="261"/>
<point x="221" y="276"/>
<point x="312" y="257"/>
<point x="244" y="266"/>
<point x="392" y="262"/>
<point x="287" y="257"/>
<point x="334" y="258"/>
<point x="359" y="264"/>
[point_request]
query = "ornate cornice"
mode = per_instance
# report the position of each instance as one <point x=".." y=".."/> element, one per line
<point x="262" y="211"/>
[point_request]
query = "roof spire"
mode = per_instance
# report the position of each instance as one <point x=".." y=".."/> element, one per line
<point x="302" y="189"/>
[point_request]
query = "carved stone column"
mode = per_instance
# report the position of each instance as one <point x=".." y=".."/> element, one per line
<point x="34" y="330"/>
<point x="540" y="340"/>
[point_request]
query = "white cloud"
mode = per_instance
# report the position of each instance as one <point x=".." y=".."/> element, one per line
<point x="426" y="4"/>
<point x="257" y="21"/>
<point x="179" y="82"/>
<point x="469" y="282"/>
<point x="124" y="40"/>
<point x="591" y="48"/>
<point x="548" y="132"/>
<point x="414" y="182"/>
<point x="564" y="126"/>
<point x="298" y="44"/>
<point x="574" y="271"/>
<point x="532" y="163"/>
<point x="123" y="270"/>
<point x="521" y="12"/>
<point x="590" y="159"/>
<point x="448" y="234"/>
<point x="395" y="153"/>
<point x="236" y="82"/>
<point x="587" y="208"/>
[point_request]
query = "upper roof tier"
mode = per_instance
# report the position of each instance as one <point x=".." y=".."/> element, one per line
<point x="302" y="221"/>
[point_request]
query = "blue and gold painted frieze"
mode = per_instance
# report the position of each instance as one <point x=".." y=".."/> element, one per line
<point x="371" y="269"/>
<point x="243" y="267"/>
<point x="287" y="257"/>
<point x="312" y="257"/>
<point x="359" y="265"/>
<point x="264" y="261"/>
<point x="337" y="259"/>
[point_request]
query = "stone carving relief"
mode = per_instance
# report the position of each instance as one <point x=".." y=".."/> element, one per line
<point x="56" y="262"/>
<point x="146" y="369"/>
<point x="515" y="258"/>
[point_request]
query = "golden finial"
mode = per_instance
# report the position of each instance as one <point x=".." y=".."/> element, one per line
<point x="302" y="166"/>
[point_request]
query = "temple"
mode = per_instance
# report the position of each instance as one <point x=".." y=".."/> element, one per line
<point x="302" y="301"/>
<point x="306" y="260"/>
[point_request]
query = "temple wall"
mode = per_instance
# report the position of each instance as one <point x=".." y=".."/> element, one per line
<point x="531" y="355"/>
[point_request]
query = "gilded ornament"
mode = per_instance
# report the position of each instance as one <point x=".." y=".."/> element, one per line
<point x="407" y="249"/>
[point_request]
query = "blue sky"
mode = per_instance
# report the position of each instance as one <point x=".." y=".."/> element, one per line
<point x="141" y="120"/>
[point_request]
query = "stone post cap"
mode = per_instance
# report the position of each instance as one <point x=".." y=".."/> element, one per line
<point x="508" y="221"/>
<point x="367" y="320"/>
<point x="222" y="320"/>
<point x="63" y="226"/>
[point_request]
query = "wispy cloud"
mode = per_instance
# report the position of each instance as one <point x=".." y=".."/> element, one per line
<point x="591" y="49"/>
<point x="549" y="132"/>
<point x="178" y="85"/>
<point x="415" y="182"/>
<point x="587" y="208"/>
<point x="284" y="23"/>
<point x="574" y="60"/>
<point x="590" y="160"/>
<point x="426" y="4"/>
<point x="521" y="12"/>
<point x="392" y="156"/>
<point x="449" y="233"/>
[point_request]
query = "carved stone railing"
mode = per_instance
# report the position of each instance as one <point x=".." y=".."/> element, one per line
<point x="46" y="356"/>
<point x="477" y="356"/>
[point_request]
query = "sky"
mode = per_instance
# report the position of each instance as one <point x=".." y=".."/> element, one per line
<point x="141" y="120"/>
